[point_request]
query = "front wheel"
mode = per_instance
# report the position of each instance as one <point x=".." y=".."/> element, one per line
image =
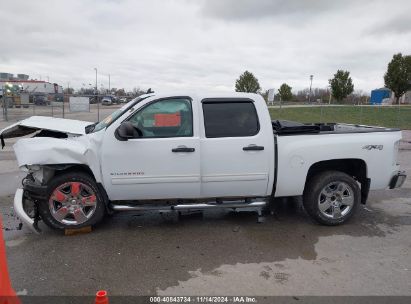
<point x="331" y="197"/>
<point x="73" y="201"/>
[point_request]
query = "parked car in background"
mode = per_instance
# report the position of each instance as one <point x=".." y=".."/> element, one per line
<point x="39" y="99"/>
<point x="109" y="100"/>
<point x="106" y="101"/>
<point x="58" y="97"/>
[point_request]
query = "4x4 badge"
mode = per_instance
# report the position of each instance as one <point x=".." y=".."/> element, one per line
<point x="373" y="147"/>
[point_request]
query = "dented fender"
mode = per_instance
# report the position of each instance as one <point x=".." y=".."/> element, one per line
<point x="56" y="151"/>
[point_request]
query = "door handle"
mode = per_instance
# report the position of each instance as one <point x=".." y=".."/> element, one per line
<point x="253" y="148"/>
<point x="182" y="149"/>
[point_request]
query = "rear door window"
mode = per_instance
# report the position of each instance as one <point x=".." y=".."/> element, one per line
<point x="230" y="118"/>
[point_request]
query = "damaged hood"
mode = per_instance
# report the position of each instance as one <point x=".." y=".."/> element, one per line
<point x="36" y="123"/>
<point x="54" y="151"/>
<point x="46" y="150"/>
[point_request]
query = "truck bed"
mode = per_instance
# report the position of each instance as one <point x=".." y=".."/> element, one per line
<point x="288" y="128"/>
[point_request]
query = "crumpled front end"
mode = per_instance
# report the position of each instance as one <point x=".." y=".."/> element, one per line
<point x="56" y="144"/>
<point x="29" y="221"/>
<point x="47" y="150"/>
<point x="41" y="157"/>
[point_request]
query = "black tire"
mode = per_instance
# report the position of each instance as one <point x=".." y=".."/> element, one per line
<point x="313" y="190"/>
<point x="69" y="177"/>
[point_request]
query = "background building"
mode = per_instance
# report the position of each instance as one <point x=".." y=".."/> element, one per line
<point x="39" y="91"/>
<point x="379" y="96"/>
<point x="30" y="85"/>
<point x="406" y="98"/>
<point x="385" y="96"/>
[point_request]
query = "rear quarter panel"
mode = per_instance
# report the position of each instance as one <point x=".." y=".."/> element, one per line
<point x="296" y="154"/>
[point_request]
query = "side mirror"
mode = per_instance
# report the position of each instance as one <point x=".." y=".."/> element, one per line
<point x="90" y="128"/>
<point x="126" y="131"/>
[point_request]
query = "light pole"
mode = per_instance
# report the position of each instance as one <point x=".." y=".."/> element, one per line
<point x="109" y="88"/>
<point x="4" y="101"/>
<point x="311" y="83"/>
<point x="98" y="106"/>
<point x="6" y="91"/>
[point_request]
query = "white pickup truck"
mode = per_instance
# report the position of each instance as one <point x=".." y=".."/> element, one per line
<point x="195" y="152"/>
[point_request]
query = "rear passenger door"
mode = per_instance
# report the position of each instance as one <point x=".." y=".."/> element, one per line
<point x="235" y="161"/>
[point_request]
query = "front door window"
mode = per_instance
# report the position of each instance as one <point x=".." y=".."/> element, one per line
<point x="165" y="118"/>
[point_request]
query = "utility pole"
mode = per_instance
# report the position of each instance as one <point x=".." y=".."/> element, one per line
<point x="109" y="89"/>
<point x="6" y="91"/>
<point x="5" y="101"/>
<point x="98" y="106"/>
<point x="311" y="83"/>
<point x="62" y="91"/>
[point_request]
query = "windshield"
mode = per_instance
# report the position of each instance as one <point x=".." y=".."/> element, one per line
<point x="116" y="114"/>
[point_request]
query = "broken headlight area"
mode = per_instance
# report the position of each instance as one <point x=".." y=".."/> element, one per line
<point x="35" y="191"/>
<point x="30" y="207"/>
<point x="37" y="174"/>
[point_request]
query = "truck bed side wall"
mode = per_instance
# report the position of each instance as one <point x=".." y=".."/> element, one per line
<point x="297" y="154"/>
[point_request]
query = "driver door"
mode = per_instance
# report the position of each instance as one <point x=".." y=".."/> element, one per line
<point x="163" y="162"/>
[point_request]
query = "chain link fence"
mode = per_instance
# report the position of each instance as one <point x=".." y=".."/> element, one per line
<point x="99" y="107"/>
<point x="392" y="116"/>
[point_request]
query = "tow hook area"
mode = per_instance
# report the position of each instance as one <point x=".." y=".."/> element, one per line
<point x="21" y="213"/>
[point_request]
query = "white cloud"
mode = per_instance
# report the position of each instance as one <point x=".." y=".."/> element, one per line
<point x="205" y="44"/>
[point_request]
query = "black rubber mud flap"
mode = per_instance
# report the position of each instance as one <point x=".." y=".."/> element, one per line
<point x="365" y="189"/>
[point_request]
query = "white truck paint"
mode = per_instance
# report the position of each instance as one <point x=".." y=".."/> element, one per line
<point x="297" y="156"/>
<point x="145" y="168"/>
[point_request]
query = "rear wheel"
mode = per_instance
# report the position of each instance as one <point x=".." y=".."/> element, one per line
<point x="331" y="197"/>
<point x="73" y="201"/>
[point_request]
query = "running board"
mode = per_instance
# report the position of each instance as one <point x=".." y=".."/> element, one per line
<point x="255" y="206"/>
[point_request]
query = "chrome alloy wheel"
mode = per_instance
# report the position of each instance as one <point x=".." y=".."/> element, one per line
<point x="72" y="203"/>
<point x="336" y="200"/>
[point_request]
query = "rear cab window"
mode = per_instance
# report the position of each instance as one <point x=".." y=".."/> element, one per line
<point x="230" y="118"/>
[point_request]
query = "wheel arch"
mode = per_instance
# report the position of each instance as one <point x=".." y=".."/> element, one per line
<point x="354" y="167"/>
<point x="64" y="168"/>
<point x="60" y="169"/>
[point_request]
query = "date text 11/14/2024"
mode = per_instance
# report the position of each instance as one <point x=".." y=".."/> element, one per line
<point x="203" y="299"/>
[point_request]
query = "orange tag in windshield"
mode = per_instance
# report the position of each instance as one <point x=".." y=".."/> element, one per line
<point x="167" y="120"/>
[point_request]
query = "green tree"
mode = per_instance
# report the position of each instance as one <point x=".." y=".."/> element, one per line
<point x="341" y="85"/>
<point x="137" y="92"/>
<point x="285" y="92"/>
<point x="69" y="91"/>
<point x="120" y="92"/>
<point x="247" y="83"/>
<point x="398" y="75"/>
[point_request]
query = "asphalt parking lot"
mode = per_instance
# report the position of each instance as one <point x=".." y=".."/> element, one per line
<point x="219" y="253"/>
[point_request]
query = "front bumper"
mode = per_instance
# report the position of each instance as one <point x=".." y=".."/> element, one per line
<point x="398" y="180"/>
<point x="18" y="208"/>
